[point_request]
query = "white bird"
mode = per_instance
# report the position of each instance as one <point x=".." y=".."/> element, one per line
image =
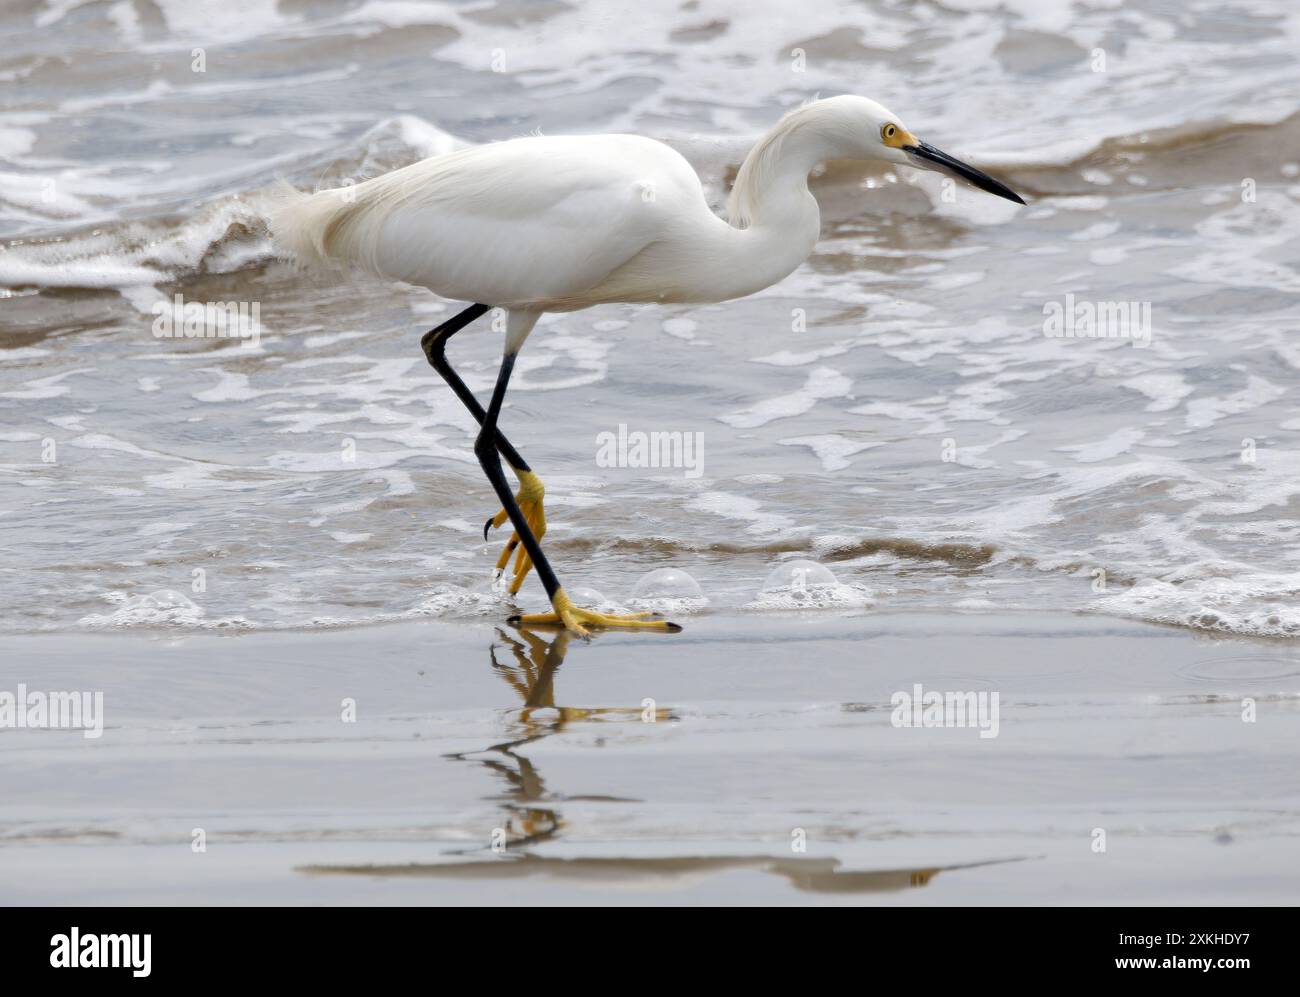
<point x="542" y="224"/>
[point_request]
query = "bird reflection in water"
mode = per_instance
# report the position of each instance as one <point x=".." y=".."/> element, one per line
<point x="532" y="818"/>
<point x="532" y="677"/>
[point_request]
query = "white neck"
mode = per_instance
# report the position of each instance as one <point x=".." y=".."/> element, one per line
<point x="772" y="225"/>
<point x="772" y="219"/>
<point x="774" y="175"/>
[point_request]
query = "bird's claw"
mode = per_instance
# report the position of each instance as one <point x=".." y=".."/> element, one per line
<point x="529" y="500"/>
<point x="581" y="621"/>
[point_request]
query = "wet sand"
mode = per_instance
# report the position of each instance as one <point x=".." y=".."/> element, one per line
<point x="658" y="770"/>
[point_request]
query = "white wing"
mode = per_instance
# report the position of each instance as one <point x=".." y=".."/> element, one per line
<point x="514" y="224"/>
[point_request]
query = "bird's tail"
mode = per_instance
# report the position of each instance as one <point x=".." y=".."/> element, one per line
<point x="307" y="226"/>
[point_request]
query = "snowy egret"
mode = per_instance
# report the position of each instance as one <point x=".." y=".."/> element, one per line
<point x="543" y="223"/>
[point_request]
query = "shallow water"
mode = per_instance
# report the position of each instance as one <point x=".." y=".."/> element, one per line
<point x="894" y="410"/>
<point x="747" y="760"/>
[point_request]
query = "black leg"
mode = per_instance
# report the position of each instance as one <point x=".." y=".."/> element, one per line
<point x="485" y="448"/>
<point x="489" y="447"/>
<point x="434" y="344"/>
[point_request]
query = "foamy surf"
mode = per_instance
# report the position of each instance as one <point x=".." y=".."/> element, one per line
<point x="1253" y="605"/>
<point x="894" y="410"/>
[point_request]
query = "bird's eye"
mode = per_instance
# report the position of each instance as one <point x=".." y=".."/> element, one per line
<point x="890" y="131"/>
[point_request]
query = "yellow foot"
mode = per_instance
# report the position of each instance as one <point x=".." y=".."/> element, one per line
<point x="530" y="504"/>
<point x="579" y="620"/>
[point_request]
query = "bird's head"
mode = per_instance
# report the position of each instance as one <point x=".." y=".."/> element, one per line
<point x="864" y="129"/>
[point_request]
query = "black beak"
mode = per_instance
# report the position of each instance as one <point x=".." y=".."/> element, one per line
<point x="932" y="158"/>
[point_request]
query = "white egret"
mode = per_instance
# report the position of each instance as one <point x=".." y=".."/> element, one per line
<point x="542" y="224"/>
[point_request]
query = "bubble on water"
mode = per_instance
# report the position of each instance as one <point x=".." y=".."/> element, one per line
<point x="797" y="576"/>
<point x="586" y="597"/>
<point x="804" y="584"/>
<point x="668" y="590"/>
<point x="667" y="583"/>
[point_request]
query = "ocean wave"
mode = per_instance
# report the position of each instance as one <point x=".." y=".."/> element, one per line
<point x="163" y="609"/>
<point x="224" y="235"/>
<point x="229" y="233"/>
<point x="1250" y="605"/>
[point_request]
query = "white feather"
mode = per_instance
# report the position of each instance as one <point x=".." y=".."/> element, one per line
<point x="556" y="223"/>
